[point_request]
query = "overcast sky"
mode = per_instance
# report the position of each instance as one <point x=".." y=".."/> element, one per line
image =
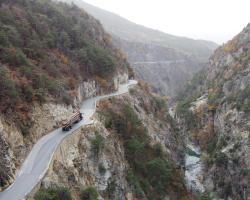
<point x="216" y="20"/>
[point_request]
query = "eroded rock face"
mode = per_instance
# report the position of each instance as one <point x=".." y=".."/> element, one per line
<point x="6" y="165"/>
<point x="224" y="118"/>
<point x="17" y="144"/>
<point x="43" y="119"/>
<point x="86" y="89"/>
<point x="76" y="164"/>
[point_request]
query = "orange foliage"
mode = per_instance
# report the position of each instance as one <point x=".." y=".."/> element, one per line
<point x="73" y="93"/>
<point x="212" y="107"/>
<point x="72" y="82"/>
<point x="230" y="47"/>
<point x="204" y="135"/>
<point x="63" y="58"/>
<point x="103" y="105"/>
<point x="103" y="83"/>
<point x="12" y="50"/>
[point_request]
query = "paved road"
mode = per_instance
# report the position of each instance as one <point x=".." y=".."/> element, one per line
<point x="37" y="162"/>
<point x="167" y="62"/>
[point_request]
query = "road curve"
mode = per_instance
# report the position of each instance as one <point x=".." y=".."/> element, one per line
<point x="38" y="160"/>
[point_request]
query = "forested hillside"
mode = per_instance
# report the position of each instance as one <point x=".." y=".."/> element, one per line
<point x="52" y="57"/>
<point x="47" y="49"/>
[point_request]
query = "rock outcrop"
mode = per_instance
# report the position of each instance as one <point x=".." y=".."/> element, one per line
<point x="221" y="119"/>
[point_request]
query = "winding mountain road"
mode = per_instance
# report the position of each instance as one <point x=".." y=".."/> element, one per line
<point x="39" y="159"/>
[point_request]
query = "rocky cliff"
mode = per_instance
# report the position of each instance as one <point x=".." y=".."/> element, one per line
<point x="217" y="115"/>
<point x="132" y="151"/>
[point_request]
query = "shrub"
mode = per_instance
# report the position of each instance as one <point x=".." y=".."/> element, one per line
<point x="40" y="95"/>
<point x="28" y="93"/>
<point x="158" y="151"/>
<point x="205" y="196"/>
<point x="111" y="187"/>
<point x="192" y="153"/>
<point x="9" y="93"/>
<point x="97" y="144"/>
<point x="3" y="39"/>
<point x="27" y="71"/>
<point x="59" y="193"/>
<point x="183" y="111"/>
<point x="25" y="130"/>
<point x="159" y="103"/>
<point x="102" y="169"/>
<point x="134" y="182"/>
<point x="160" y="173"/>
<point x="221" y="159"/>
<point x="101" y="63"/>
<point x="89" y="193"/>
<point x="214" y="99"/>
<point x="15" y="57"/>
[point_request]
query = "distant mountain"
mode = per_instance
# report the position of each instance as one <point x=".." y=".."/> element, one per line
<point x="149" y="51"/>
<point x="130" y="31"/>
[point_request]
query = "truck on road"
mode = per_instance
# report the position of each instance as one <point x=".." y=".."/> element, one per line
<point x="75" y="118"/>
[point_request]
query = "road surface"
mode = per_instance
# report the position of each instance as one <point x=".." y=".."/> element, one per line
<point x="38" y="161"/>
<point x="166" y="62"/>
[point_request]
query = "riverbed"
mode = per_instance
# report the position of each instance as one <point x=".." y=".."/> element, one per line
<point x="193" y="169"/>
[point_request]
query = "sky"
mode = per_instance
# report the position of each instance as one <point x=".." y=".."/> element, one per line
<point x="215" y="20"/>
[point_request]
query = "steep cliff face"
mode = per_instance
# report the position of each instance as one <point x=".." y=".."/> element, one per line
<point x="130" y="152"/>
<point x="220" y="116"/>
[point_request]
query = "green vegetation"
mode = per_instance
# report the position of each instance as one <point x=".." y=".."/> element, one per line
<point x="102" y="169"/>
<point x="135" y="184"/>
<point x="89" y="193"/>
<point x="221" y="159"/>
<point x="183" y="111"/>
<point x="45" y="57"/>
<point x="205" y="196"/>
<point x="159" y="103"/>
<point x="111" y="187"/>
<point x="59" y="193"/>
<point x="192" y="153"/>
<point x="241" y="99"/>
<point x="97" y="144"/>
<point x="151" y="173"/>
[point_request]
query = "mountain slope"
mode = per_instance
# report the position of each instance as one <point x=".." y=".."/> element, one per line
<point x="52" y="56"/>
<point x="153" y="50"/>
<point x="130" y="31"/>
<point x="51" y="42"/>
<point x="219" y="118"/>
